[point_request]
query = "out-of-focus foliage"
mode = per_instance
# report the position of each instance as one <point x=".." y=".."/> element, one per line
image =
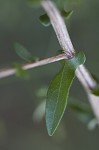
<point x="63" y="2"/>
<point x="45" y="21"/>
<point x="23" y="53"/>
<point x="34" y="2"/>
<point x="83" y="111"/>
<point x="96" y="91"/>
<point x="20" y="72"/>
<point x="66" y="14"/>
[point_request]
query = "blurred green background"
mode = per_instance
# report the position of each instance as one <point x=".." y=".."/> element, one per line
<point x="19" y="98"/>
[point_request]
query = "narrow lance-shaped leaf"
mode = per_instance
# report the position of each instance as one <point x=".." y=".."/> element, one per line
<point x="23" y="53"/>
<point x="58" y="92"/>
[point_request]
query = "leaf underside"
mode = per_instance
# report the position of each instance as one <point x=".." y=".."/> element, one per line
<point x="58" y="92"/>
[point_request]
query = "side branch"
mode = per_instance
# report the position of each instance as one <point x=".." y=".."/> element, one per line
<point x="10" y="71"/>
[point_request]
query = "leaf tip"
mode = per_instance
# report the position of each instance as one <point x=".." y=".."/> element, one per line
<point x="51" y="131"/>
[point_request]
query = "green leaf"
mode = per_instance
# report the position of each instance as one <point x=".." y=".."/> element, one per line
<point x="79" y="107"/>
<point x="93" y="123"/>
<point x="58" y="92"/>
<point x="24" y="54"/>
<point x="41" y="93"/>
<point x="95" y="91"/>
<point x="83" y="111"/>
<point x="95" y="78"/>
<point x="20" y="72"/>
<point x="39" y="112"/>
<point x="34" y="2"/>
<point x="44" y="20"/>
<point x="66" y="14"/>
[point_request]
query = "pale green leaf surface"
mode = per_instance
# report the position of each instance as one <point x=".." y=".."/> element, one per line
<point x="58" y="92"/>
<point x="20" y="72"/>
<point x="23" y="53"/>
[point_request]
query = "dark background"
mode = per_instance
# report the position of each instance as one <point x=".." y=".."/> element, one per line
<point x="18" y="97"/>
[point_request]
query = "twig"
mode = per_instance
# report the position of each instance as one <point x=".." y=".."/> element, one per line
<point x="63" y="37"/>
<point x="59" y="27"/>
<point x="10" y="71"/>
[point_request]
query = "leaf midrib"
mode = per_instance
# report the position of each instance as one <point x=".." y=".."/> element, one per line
<point x="58" y="93"/>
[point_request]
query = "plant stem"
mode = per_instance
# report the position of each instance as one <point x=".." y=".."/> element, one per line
<point x="64" y="39"/>
<point x="10" y="71"/>
<point x="60" y="29"/>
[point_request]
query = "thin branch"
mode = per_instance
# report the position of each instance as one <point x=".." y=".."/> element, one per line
<point x="63" y="37"/>
<point x="59" y="27"/>
<point x="10" y="71"/>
